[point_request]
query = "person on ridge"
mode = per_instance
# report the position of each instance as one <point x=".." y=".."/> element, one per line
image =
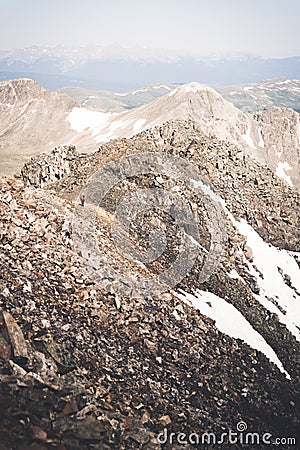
<point x="82" y="199"/>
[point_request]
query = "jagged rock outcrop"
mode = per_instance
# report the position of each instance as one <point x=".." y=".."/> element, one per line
<point x="45" y="169"/>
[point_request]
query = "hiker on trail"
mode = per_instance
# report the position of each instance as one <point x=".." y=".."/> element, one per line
<point x="66" y="233"/>
<point x="82" y="199"/>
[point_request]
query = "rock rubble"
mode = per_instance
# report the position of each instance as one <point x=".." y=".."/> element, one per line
<point x="85" y="368"/>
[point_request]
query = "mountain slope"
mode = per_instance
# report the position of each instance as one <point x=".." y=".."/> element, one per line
<point x="118" y="370"/>
<point x="216" y="116"/>
<point x="32" y="120"/>
<point x="280" y="142"/>
<point x="117" y="102"/>
<point x="194" y="101"/>
<point x="35" y="120"/>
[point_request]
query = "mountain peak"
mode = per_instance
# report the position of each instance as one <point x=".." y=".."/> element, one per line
<point x="193" y="86"/>
<point x="19" y="88"/>
<point x="20" y="82"/>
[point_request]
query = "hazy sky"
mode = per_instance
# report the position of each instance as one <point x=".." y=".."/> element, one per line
<point x="261" y="27"/>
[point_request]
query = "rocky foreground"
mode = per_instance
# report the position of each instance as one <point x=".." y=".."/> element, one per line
<point x="85" y="368"/>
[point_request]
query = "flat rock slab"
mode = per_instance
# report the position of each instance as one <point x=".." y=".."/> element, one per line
<point x="16" y="337"/>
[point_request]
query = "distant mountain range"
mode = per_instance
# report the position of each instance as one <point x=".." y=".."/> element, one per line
<point x="120" y="69"/>
<point x="252" y="97"/>
<point x="283" y="92"/>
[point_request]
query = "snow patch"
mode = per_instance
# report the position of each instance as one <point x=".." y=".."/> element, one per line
<point x="281" y="172"/>
<point x="159" y="86"/>
<point x="138" y="126"/>
<point x="139" y="90"/>
<point x="119" y="94"/>
<point x="170" y="94"/>
<point x="284" y="82"/>
<point x="235" y="276"/>
<point x="231" y="322"/>
<point x="268" y="262"/>
<point x="208" y="191"/>
<point x="271" y="267"/>
<point x="247" y="137"/>
<point x="81" y="119"/>
<point x="196" y="87"/>
<point x="105" y="133"/>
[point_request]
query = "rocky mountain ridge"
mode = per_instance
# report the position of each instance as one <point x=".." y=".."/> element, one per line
<point x="100" y="370"/>
<point x="250" y="190"/>
<point x="46" y="120"/>
<point x="224" y="166"/>
<point x="216" y="116"/>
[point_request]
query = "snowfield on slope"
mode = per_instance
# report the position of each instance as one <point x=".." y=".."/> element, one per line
<point x="231" y="322"/>
<point x="270" y="267"/>
<point x="81" y="118"/>
<point x="102" y="125"/>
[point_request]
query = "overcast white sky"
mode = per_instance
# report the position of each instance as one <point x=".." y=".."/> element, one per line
<point x="261" y="27"/>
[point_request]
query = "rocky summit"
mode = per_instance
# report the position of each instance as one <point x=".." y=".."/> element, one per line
<point x="85" y="365"/>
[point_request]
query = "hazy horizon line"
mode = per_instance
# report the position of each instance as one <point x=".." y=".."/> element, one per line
<point x="171" y="52"/>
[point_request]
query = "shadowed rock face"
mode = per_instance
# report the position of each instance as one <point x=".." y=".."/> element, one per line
<point x="45" y="169"/>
